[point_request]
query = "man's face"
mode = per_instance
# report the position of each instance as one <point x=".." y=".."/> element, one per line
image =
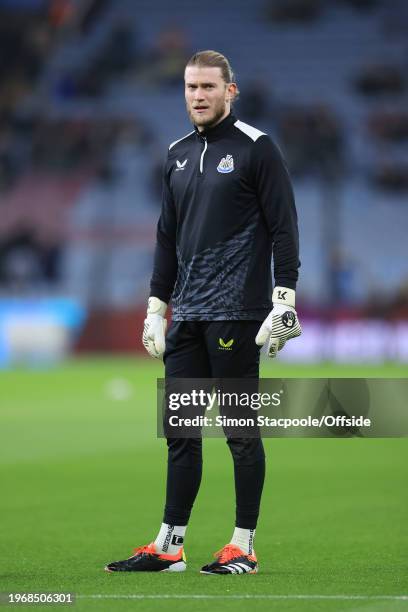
<point x="208" y="97"/>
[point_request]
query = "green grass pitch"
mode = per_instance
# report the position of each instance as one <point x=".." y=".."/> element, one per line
<point x="83" y="476"/>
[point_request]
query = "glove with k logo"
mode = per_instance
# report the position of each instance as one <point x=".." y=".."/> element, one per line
<point x="281" y="324"/>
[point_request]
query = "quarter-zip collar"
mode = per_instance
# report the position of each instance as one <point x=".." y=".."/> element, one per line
<point x="213" y="133"/>
<point x="202" y="156"/>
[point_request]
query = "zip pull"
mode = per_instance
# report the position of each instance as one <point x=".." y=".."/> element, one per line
<point x="202" y="155"/>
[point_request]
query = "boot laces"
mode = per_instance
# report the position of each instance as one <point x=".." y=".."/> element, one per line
<point x="230" y="551"/>
<point x="146" y="549"/>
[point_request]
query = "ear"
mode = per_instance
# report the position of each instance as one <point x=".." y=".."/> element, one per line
<point x="231" y="91"/>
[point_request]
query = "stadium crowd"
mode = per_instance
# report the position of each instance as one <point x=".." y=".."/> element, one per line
<point x="71" y="139"/>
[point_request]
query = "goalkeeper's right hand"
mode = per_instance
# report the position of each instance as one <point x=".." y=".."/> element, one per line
<point x="155" y="327"/>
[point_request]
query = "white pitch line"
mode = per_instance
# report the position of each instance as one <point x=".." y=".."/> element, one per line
<point x="277" y="597"/>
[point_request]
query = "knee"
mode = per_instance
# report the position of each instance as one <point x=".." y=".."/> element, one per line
<point x="246" y="451"/>
<point x="185" y="451"/>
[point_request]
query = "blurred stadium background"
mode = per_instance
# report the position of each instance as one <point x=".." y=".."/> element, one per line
<point x="91" y="94"/>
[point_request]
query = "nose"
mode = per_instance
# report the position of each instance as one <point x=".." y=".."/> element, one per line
<point x="198" y="94"/>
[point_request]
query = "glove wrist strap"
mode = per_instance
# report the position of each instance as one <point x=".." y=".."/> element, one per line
<point x="283" y="295"/>
<point x="156" y="306"/>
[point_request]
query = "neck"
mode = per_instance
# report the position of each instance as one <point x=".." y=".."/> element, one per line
<point x="201" y="128"/>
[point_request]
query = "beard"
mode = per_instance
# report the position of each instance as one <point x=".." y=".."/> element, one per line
<point x="211" y="119"/>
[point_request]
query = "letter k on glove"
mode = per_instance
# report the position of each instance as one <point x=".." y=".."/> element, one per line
<point x="281" y="324"/>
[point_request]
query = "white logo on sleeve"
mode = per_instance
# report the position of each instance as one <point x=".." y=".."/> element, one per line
<point x="181" y="165"/>
<point x="226" y="164"/>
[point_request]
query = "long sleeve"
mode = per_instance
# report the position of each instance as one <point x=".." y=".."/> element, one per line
<point x="275" y="194"/>
<point x="165" y="257"/>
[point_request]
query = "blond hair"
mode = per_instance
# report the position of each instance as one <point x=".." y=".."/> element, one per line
<point x="214" y="59"/>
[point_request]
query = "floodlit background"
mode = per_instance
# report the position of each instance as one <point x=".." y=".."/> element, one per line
<point x="91" y="94"/>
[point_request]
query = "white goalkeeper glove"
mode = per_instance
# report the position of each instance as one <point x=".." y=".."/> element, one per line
<point x="281" y="324"/>
<point x="155" y="327"/>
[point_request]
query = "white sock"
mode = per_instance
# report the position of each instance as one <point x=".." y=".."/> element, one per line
<point x="244" y="539"/>
<point x="170" y="538"/>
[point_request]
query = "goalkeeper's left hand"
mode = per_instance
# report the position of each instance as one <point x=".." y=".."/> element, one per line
<point x="281" y="324"/>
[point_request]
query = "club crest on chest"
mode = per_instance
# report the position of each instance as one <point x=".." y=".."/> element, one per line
<point x="226" y="164"/>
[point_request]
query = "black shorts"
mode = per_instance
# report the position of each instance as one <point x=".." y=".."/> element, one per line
<point x="212" y="349"/>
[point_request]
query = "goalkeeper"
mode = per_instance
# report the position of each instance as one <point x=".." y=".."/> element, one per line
<point x="227" y="207"/>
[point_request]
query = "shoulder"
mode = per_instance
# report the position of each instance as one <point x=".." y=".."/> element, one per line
<point x="264" y="151"/>
<point x="178" y="150"/>
<point x="262" y="145"/>
<point x="183" y="140"/>
<point x="249" y="131"/>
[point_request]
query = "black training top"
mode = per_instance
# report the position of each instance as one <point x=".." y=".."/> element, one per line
<point x="227" y="200"/>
